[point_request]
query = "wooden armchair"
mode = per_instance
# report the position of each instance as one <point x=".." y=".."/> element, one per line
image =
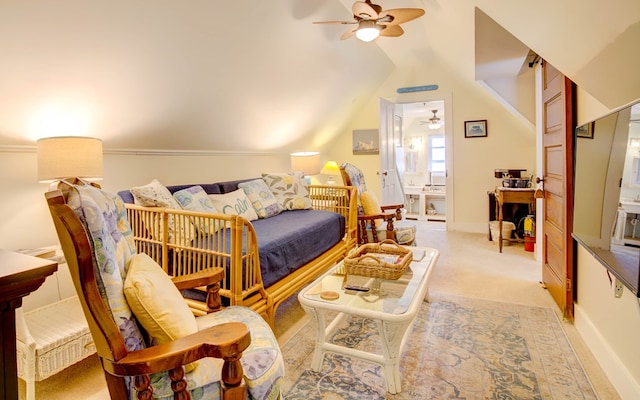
<point x="375" y="224"/>
<point x="137" y="358"/>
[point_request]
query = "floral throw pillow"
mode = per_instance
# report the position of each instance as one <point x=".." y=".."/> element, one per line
<point x="155" y="194"/>
<point x="234" y="203"/>
<point x="263" y="201"/>
<point x="290" y="189"/>
<point x="194" y="198"/>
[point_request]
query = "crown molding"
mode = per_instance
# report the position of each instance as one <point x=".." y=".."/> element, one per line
<point x="151" y="152"/>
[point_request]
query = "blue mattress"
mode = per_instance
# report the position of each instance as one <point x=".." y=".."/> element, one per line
<point x="291" y="239"/>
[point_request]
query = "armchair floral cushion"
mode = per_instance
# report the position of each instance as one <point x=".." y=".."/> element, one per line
<point x="105" y="219"/>
<point x="356" y="177"/>
<point x="403" y="232"/>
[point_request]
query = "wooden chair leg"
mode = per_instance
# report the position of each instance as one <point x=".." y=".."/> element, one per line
<point x="142" y="384"/>
<point x="213" y="298"/>
<point x="233" y="387"/>
<point x="116" y="385"/>
<point x="179" y="384"/>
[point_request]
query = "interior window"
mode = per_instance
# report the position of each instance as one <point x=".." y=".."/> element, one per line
<point x="436" y="153"/>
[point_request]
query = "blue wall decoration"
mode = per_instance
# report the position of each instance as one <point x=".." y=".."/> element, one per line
<point x="417" y="89"/>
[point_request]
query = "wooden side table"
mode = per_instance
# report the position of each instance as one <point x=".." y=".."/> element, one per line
<point x="512" y="196"/>
<point x="19" y="275"/>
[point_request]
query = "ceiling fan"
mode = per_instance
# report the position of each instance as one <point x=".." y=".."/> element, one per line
<point x="372" y="21"/>
<point x="434" y="122"/>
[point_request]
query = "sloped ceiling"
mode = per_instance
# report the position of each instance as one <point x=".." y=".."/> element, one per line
<point x="256" y="75"/>
<point x="170" y="74"/>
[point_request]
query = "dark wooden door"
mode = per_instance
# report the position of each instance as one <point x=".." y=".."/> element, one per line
<point x="557" y="148"/>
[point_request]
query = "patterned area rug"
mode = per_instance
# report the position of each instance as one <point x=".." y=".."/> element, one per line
<point x="459" y="348"/>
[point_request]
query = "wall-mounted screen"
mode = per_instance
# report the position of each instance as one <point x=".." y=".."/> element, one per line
<point x="606" y="219"/>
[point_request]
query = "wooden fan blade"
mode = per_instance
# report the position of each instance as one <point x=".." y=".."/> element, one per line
<point x="365" y="10"/>
<point x="336" y="22"/>
<point x="400" y="15"/>
<point x="392" y="31"/>
<point x="348" y="34"/>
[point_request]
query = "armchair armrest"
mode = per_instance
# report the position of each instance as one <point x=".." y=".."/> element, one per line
<point x="226" y="341"/>
<point x="364" y="220"/>
<point x="210" y="278"/>
<point x="397" y="207"/>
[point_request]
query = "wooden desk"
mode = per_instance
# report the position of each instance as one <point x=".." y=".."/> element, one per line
<point x="512" y="196"/>
<point x="19" y="275"/>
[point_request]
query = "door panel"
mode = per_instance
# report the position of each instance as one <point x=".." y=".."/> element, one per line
<point x="554" y="236"/>
<point x="557" y="150"/>
<point x="555" y="164"/>
<point x="391" y="192"/>
<point x="553" y="282"/>
<point x="554" y="210"/>
<point x="554" y="115"/>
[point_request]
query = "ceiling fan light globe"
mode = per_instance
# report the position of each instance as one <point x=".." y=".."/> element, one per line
<point x="434" y="122"/>
<point x="367" y="31"/>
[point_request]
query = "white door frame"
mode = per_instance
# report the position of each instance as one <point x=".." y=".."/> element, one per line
<point x="421" y="97"/>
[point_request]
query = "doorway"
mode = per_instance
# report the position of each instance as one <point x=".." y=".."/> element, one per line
<point x="419" y="158"/>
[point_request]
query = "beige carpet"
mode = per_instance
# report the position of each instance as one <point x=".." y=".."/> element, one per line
<point x="459" y="348"/>
<point x="469" y="266"/>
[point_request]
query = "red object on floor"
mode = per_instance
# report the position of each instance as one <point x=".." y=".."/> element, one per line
<point x="529" y="243"/>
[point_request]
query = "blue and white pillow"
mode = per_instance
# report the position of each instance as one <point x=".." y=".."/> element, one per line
<point x="263" y="201"/>
<point x="234" y="203"/>
<point x="194" y="198"/>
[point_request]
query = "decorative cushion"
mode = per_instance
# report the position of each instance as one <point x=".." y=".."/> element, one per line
<point x="262" y="361"/>
<point x="404" y="231"/>
<point x="155" y="194"/>
<point x="156" y="302"/>
<point x="234" y="203"/>
<point x="105" y="218"/>
<point x="370" y="205"/>
<point x="356" y="177"/>
<point x="194" y="198"/>
<point x="263" y="201"/>
<point x="290" y="189"/>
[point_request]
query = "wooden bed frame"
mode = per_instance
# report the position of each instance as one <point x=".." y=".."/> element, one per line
<point x="178" y="256"/>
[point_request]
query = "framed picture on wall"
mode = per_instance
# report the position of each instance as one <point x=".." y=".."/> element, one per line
<point x="475" y="128"/>
<point x="366" y="141"/>
<point x="585" y="131"/>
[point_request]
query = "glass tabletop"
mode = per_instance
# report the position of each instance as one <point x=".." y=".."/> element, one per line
<point x="353" y="293"/>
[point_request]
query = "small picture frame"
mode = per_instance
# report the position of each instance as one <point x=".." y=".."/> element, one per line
<point x="365" y="141"/>
<point x="474" y="129"/>
<point x="585" y="131"/>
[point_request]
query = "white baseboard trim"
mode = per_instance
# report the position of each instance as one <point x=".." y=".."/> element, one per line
<point x="627" y="386"/>
<point x="471" y="227"/>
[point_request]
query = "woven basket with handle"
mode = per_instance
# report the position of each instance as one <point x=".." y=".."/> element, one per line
<point x="385" y="260"/>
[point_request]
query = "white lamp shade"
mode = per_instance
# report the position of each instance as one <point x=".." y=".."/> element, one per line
<point x="306" y="161"/>
<point x="69" y="157"/>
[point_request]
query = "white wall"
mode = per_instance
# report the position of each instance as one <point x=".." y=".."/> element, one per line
<point x="26" y="222"/>
<point x="608" y="325"/>
<point x="510" y="142"/>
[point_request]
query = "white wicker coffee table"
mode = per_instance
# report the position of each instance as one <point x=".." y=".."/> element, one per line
<point x="393" y="306"/>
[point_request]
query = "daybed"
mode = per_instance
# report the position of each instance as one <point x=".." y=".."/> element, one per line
<point x="270" y="250"/>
